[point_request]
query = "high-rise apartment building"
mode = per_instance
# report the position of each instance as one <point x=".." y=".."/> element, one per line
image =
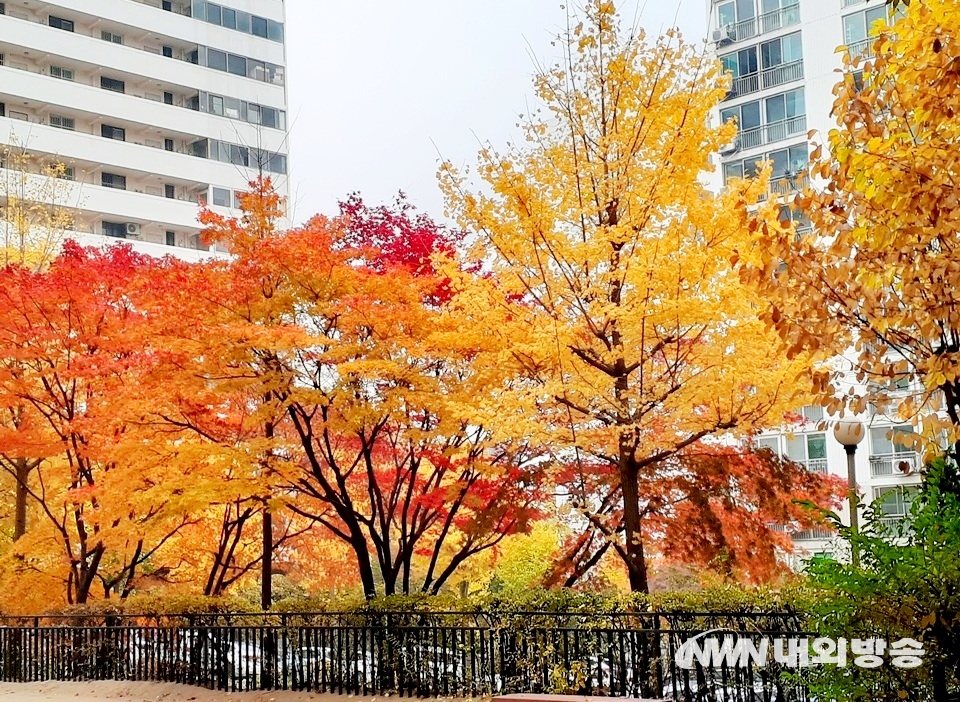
<point x="153" y="106"/>
<point x="782" y="56"/>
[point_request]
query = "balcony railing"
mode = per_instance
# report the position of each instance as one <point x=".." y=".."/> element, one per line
<point x="769" y="78"/>
<point x="772" y="132"/>
<point x="860" y="49"/>
<point x="816" y="465"/>
<point x="785" y="185"/>
<point x="893" y="464"/>
<point x="816" y="533"/>
<point x="767" y="22"/>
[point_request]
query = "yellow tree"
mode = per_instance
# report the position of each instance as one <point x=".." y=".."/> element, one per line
<point x="617" y="301"/>
<point x="879" y="283"/>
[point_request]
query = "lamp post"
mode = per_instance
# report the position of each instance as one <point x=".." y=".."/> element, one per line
<point x="850" y="433"/>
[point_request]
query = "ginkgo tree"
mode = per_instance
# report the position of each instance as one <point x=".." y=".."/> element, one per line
<point x="879" y="284"/>
<point x="613" y="295"/>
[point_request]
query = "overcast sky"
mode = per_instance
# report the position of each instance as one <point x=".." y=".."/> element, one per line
<point x="381" y="89"/>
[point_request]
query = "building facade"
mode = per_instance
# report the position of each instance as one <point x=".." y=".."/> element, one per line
<point x="152" y="106"/>
<point x="783" y="59"/>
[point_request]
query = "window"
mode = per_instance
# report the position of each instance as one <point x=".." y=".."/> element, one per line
<point x="3" y="109"/>
<point x="112" y="180"/>
<point x="112" y="37"/>
<point x="216" y="60"/>
<point x="216" y="104"/>
<point x="781" y="51"/>
<point x="61" y="72"/>
<point x="214" y="16"/>
<point x="169" y="191"/>
<point x="168" y="144"/>
<point x="894" y="502"/>
<point x="221" y="197"/>
<point x="785" y="106"/>
<point x="60" y="23"/>
<point x="171" y="238"/>
<point x="3" y="9"/>
<point x="259" y="27"/>
<point x="891" y="440"/>
<point x="274" y="31"/>
<point x="167" y="98"/>
<point x="117" y="86"/>
<point x="236" y="65"/>
<point x="747" y="117"/>
<point x="117" y="229"/>
<point x="809" y="449"/>
<point x="62" y="122"/>
<point x="741" y="63"/>
<point x="228" y="18"/>
<point x="244" y="21"/>
<point x="789" y="162"/>
<point x="68" y="173"/>
<point x="167" y="51"/>
<point x="109" y="132"/>
<point x="859" y="27"/>
<point x="768" y="442"/>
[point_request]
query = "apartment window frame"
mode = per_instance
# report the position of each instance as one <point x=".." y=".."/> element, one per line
<point x="791" y="44"/>
<point x="114" y="85"/>
<point x="895" y="500"/>
<point x="63" y="73"/>
<point x="61" y="23"/>
<point x="63" y="122"/>
<point x="117" y="230"/>
<point x="890" y="446"/>
<point x="115" y="181"/>
<point x="108" y="131"/>
<point x="170" y="238"/>
<point x="111" y="36"/>
<point x="864" y="27"/>
<point x="220" y="197"/>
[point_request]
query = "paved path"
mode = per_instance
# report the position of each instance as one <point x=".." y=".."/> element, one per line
<point x="152" y="692"/>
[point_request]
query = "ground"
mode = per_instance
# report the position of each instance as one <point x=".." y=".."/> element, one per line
<point x="151" y="692"/>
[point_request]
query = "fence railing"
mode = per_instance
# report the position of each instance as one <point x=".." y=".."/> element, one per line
<point x="630" y="655"/>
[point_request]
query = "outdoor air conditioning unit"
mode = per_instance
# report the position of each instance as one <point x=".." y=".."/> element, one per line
<point x="906" y="466"/>
<point x="730" y="148"/>
<point x="133" y="230"/>
<point x="723" y="36"/>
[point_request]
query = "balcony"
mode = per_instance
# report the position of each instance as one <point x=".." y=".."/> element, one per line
<point x="772" y="132"/>
<point x="816" y="465"/>
<point x="860" y="49"/>
<point x="768" y="78"/>
<point x="812" y="534"/>
<point x="896" y="464"/>
<point x="787" y="184"/>
<point x="767" y="22"/>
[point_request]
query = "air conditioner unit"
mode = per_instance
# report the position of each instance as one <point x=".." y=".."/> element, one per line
<point x="723" y="36"/>
<point x="731" y="148"/>
<point x="133" y="230"/>
<point x="906" y="466"/>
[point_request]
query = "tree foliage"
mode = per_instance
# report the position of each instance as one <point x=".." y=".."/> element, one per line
<point x="880" y="277"/>
<point x="612" y="291"/>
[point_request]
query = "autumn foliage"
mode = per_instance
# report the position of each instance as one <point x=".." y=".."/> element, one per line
<point x="376" y="401"/>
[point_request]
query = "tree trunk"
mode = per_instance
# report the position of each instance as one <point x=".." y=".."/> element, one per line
<point x="266" y="573"/>
<point x="632" y="528"/>
<point x="23" y="469"/>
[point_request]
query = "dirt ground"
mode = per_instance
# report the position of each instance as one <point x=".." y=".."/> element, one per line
<point x="152" y="692"/>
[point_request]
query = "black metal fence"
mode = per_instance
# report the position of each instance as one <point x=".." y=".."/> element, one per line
<point x="424" y="655"/>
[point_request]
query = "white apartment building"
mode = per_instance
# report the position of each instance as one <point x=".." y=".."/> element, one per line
<point x="153" y="106"/>
<point x="782" y="55"/>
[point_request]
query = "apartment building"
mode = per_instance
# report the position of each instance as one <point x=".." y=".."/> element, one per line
<point x="153" y="106"/>
<point x="783" y="60"/>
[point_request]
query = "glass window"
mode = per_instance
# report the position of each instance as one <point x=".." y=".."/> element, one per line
<point x="112" y="180"/>
<point x="171" y="238"/>
<point x="780" y="51"/>
<point x="811" y="413"/>
<point x="895" y="502"/>
<point x="112" y="37"/>
<point x="216" y="104"/>
<point x="768" y="442"/>
<point x="117" y="229"/>
<point x="274" y="31"/>
<point x="199" y="9"/>
<point x="243" y="21"/>
<point x="229" y="18"/>
<point x="63" y="122"/>
<point x="890" y="440"/>
<point x="256" y="70"/>
<point x="726" y="14"/>
<point x="254" y="114"/>
<point x="816" y="446"/>
<point x="213" y="13"/>
<point x="221" y="197"/>
<point x="231" y="107"/>
<point x="259" y="26"/>
<point x="236" y="65"/>
<point x="200" y="148"/>
<point x="216" y="59"/>
<point x="858" y="26"/>
<point x="117" y="86"/>
<point x="60" y="23"/>
<point x="108" y="132"/>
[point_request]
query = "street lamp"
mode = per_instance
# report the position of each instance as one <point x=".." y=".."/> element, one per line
<point x="850" y="433"/>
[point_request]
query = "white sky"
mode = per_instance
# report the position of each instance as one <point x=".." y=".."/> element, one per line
<point x="381" y="89"/>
